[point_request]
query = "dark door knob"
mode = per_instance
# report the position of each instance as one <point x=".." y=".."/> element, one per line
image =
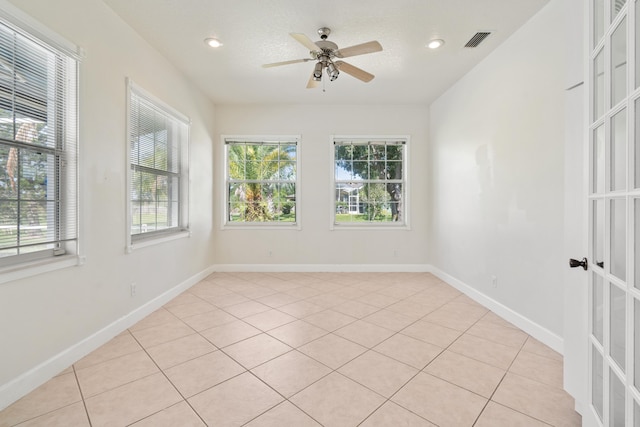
<point x="573" y="263"/>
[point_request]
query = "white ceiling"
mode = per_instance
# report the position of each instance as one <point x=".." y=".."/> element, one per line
<point x="255" y="32"/>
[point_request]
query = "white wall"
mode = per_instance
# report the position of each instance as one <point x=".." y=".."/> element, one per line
<point x="44" y="315"/>
<point x="497" y="150"/>
<point x="315" y="243"/>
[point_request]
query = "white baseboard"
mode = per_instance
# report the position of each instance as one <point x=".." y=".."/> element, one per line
<point x="30" y="380"/>
<point x="323" y="268"/>
<point x="530" y="327"/>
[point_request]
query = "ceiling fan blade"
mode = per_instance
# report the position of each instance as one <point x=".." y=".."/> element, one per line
<point x="312" y="83"/>
<point x="359" y="49"/>
<point x="354" y="71"/>
<point x="293" y="61"/>
<point x="306" y="41"/>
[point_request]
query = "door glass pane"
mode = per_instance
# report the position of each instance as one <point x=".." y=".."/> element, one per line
<point x="617" y="324"/>
<point x="636" y="244"/>
<point x="636" y="414"/>
<point x="637" y="135"/>
<point x="619" y="151"/>
<point x="618" y="232"/>
<point x="637" y="35"/>
<point x="598" y="308"/>
<point x="597" y="384"/>
<point x="619" y="63"/>
<point x="616" y="7"/>
<point x="598" y="20"/>
<point x="616" y="401"/>
<point x="636" y="340"/>
<point x="598" y="86"/>
<point x="598" y="232"/>
<point x="598" y="160"/>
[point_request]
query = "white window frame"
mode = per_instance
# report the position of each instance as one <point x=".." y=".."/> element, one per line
<point x="66" y="252"/>
<point x="370" y="225"/>
<point x="275" y="225"/>
<point x="136" y="241"/>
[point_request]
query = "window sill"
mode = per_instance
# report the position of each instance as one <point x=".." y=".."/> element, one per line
<point x="155" y="240"/>
<point x="33" y="268"/>
<point x="262" y="226"/>
<point x="369" y="227"/>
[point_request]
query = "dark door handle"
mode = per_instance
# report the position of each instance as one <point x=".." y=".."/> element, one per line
<point x="573" y="263"/>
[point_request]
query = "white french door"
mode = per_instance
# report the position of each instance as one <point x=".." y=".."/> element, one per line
<point x="614" y="213"/>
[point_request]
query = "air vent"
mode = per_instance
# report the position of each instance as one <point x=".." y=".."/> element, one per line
<point x="477" y="39"/>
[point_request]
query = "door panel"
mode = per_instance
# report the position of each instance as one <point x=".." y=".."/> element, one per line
<point x="614" y="213"/>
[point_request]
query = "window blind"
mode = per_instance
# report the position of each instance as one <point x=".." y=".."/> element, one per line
<point x="38" y="147"/>
<point x="158" y="138"/>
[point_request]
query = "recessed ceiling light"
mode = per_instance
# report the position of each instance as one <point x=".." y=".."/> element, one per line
<point x="436" y="43"/>
<point x="213" y="42"/>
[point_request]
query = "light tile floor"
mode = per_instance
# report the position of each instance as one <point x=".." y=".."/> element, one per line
<point x="310" y="349"/>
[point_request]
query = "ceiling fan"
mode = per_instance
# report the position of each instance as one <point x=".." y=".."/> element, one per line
<point x="324" y="52"/>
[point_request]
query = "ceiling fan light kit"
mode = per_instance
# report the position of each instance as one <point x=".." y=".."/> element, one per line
<point x="324" y="52"/>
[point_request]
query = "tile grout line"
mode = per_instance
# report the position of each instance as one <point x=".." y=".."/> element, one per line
<point x="61" y="407"/>
<point x="319" y="379"/>
<point x="422" y="370"/>
<point x="184" y="399"/>
<point x="292" y="348"/>
<point x="498" y="386"/>
<point x="286" y="399"/>
<point x="84" y="402"/>
<point x="242" y="282"/>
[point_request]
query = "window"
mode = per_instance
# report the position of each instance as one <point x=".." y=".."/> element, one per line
<point x="370" y="181"/>
<point x="261" y="181"/>
<point x="158" y="154"/>
<point x="38" y="143"/>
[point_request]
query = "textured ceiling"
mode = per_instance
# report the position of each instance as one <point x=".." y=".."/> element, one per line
<point x="255" y="32"/>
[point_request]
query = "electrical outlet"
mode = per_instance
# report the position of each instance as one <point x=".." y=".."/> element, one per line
<point x="494" y="281"/>
<point x="270" y="253"/>
<point x="133" y="289"/>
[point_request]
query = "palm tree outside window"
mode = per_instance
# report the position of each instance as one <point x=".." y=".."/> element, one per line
<point x="261" y="181"/>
